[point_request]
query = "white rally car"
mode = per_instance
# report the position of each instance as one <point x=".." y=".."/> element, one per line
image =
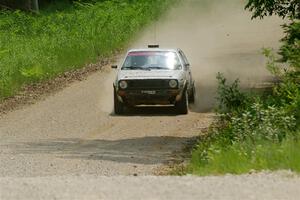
<point x="154" y="76"/>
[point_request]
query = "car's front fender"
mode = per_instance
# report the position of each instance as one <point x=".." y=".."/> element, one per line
<point x="182" y="90"/>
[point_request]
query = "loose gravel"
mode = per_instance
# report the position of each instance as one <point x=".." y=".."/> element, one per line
<point x="267" y="186"/>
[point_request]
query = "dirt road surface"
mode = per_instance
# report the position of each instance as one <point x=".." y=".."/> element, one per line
<point x="71" y="146"/>
<point x="75" y="132"/>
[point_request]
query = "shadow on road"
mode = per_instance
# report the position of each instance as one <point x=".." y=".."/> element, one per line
<point x="154" y="111"/>
<point x="145" y="150"/>
<point x="149" y="111"/>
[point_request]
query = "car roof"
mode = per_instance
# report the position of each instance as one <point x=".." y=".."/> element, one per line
<point x="153" y="49"/>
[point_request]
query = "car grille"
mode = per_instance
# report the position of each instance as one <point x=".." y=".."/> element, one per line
<point x="148" y="84"/>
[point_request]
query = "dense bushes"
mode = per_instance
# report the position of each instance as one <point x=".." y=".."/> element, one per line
<point x="253" y="131"/>
<point x="290" y="51"/>
<point x="35" y="47"/>
<point x="258" y="131"/>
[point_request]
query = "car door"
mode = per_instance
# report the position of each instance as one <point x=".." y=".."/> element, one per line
<point x="187" y="69"/>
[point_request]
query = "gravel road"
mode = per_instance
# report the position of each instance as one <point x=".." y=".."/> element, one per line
<point x="279" y="186"/>
<point x="72" y="133"/>
<point x="71" y="146"/>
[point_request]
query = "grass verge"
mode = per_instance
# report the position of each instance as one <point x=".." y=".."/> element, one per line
<point x="39" y="47"/>
<point x="237" y="159"/>
<point x="253" y="132"/>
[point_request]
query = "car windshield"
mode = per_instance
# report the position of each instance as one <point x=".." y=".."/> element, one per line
<point x="152" y="60"/>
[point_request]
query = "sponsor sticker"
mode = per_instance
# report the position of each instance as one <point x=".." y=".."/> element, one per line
<point x="151" y="92"/>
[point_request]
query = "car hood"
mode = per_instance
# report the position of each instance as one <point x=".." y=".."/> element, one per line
<point x="153" y="74"/>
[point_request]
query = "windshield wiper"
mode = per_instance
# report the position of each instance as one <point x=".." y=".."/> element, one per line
<point x="135" y="67"/>
<point x="157" y="67"/>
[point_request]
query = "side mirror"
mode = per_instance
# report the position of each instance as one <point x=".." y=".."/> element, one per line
<point x="114" y="66"/>
<point x="186" y="66"/>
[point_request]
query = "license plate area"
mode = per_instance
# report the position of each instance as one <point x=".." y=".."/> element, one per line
<point x="150" y="92"/>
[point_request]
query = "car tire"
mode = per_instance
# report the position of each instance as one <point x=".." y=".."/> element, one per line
<point x="182" y="106"/>
<point x="192" y="95"/>
<point x="118" y="106"/>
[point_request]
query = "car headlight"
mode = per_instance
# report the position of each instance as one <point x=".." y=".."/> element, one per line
<point x="173" y="83"/>
<point x="123" y="84"/>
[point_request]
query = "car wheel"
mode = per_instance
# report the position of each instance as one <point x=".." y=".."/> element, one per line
<point x="118" y="106"/>
<point x="183" y="104"/>
<point x="192" y="95"/>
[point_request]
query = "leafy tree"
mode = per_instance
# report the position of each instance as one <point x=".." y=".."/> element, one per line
<point x="282" y="8"/>
<point x="290" y="50"/>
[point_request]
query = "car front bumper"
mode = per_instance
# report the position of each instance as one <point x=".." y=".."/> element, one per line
<point x="150" y="97"/>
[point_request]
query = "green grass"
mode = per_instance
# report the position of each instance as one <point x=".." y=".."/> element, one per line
<point x="253" y="132"/>
<point x="38" y="47"/>
<point x="237" y="159"/>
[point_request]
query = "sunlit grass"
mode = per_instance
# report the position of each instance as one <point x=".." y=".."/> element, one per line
<point x="252" y="132"/>
<point x="239" y="158"/>
<point x="37" y="47"/>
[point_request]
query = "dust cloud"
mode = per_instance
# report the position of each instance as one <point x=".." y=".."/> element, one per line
<point x="217" y="36"/>
<point x="105" y="95"/>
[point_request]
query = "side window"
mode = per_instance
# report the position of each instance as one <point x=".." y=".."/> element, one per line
<point x="185" y="61"/>
<point x="184" y="57"/>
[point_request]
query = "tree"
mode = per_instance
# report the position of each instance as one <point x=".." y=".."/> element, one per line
<point x="36" y="5"/>
<point x="21" y="4"/>
<point x="282" y="8"/>
<point x="290" y="49"/>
